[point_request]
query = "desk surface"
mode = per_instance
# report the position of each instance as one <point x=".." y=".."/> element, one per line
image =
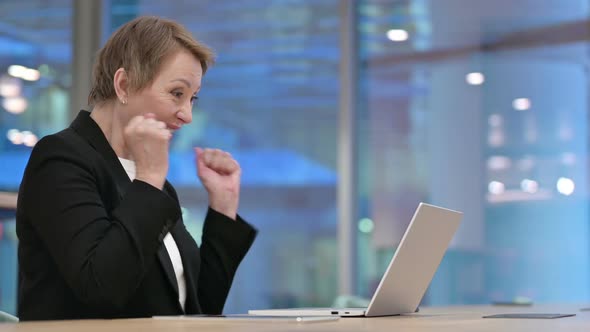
<point x="463" y="318"/>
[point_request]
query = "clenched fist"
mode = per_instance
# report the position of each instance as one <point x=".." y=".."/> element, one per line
<point x="220" y="174"/>
<point x="148" y="141"/>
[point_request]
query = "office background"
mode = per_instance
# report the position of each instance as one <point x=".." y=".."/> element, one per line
<point x="344" y="115"/>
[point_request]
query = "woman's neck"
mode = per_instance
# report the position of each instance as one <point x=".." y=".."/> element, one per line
<point x="105" y="115"/>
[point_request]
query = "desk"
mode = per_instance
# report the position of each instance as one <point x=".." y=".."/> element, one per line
<point x="464" y="318"/>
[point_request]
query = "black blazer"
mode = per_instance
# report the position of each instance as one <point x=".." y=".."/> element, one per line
<point x="91" y="241"/>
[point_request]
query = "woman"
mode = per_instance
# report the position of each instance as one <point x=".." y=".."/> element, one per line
<point x="100" y="230"/>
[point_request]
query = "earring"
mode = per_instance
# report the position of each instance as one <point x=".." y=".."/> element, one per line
<point x="124" y="101"/>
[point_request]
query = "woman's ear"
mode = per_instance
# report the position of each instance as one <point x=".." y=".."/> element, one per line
<point x="121" y="84"/>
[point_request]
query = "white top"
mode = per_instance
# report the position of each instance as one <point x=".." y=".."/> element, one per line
<point x="171" y="247"/>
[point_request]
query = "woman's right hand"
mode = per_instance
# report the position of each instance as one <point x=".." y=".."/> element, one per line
<point x="148" y="140"/>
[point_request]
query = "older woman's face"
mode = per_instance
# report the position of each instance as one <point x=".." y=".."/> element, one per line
<point x="171" y="95"/>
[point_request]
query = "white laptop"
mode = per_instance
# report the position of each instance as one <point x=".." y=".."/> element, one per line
<point x="409" y="273"/>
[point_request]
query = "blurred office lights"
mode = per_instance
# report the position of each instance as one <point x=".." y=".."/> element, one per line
<point x="29" y="139"/>
<point x="496" y="187"/>
<point x="498" y="163"/>
<point x="568" y="158"/>
<point x="521" y="104"/>
<point x="366" y="225"/>
<point x="14" y="105"/>
<point x="11" y="134"/>
<point x="18" y="137"/>
<point x="496" y="133"/>
<point x="495" y="120"/>
<point x="529" y="186"/>
<point x="475" y="78"/>
<point x="15" y="136"/>
<point x="397" y="35"/>
<point x="496" y="138"/>
<point x="565" y="186"/>
<point x="27" y="74"/>
<point x="9" y="87"/>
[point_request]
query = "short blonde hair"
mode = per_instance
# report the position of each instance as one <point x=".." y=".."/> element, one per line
<point x="140" y="46"/>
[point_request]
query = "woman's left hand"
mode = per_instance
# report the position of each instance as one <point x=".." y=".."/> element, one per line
<point x="220" y="174"/>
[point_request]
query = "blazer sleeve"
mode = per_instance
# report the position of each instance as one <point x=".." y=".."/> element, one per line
<point x="102" y="255"/>
<point x="224" y="244"/>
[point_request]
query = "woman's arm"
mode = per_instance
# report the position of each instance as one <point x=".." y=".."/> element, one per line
<point x="225" y="243"/>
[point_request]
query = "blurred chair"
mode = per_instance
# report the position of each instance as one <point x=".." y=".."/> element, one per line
<point x="7" y="318"/>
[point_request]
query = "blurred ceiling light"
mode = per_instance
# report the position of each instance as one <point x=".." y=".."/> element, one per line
<point x="16" y="70"/>
<point x="568" y="158"/>
<point x="9" y="87"/>
<point x="565" y="186"/>
<point x="23" y="72"/>
<point x="366" y="225"/>
<point x="397" y="35"/>
<point x="496" y="138"/>
<point x="496" y="187"/>
<point x="495" y="120"/>
<point x="15" y="105"/>
<point x="9" y="90"/>
<point x="15" y="136"/>
<point x="29" y="139"/>
<point x="529" y="186"/>
<point x="498" y="163"/>
<point x="31" y="75"/>
<point x="475" y="78"/>
<point x="11" y="134"/>
<point x="521" y="104"/>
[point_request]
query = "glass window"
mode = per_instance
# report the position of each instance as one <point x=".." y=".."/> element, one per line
<point x="482" y="107"/>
